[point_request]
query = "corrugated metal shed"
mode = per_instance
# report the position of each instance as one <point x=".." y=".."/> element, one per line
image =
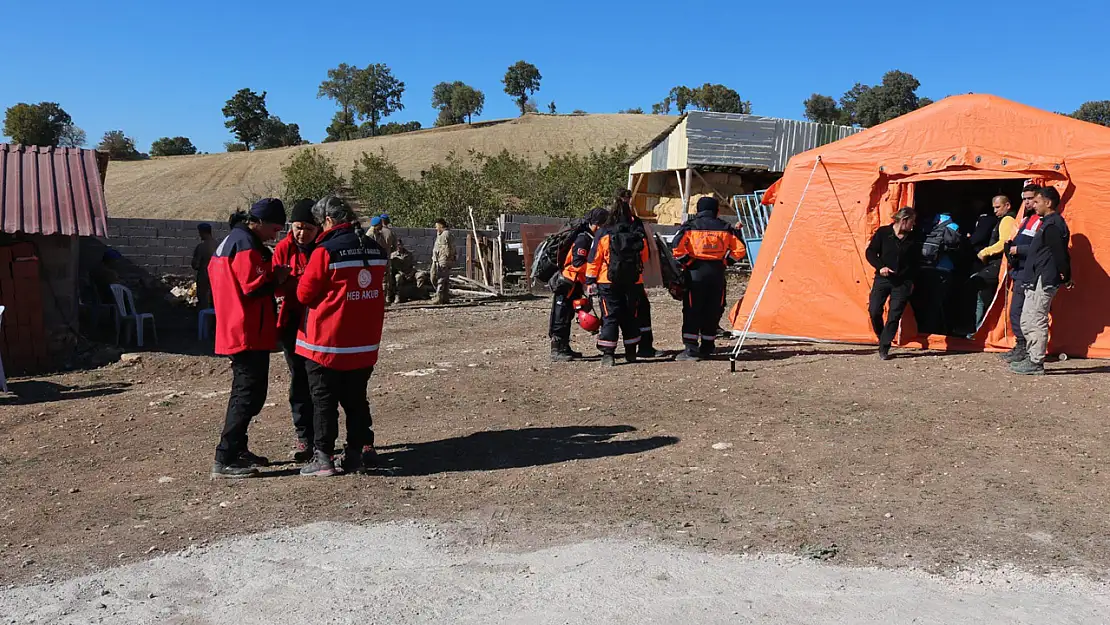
<point x="732" y="140"/>
<point x="46" y="190"/>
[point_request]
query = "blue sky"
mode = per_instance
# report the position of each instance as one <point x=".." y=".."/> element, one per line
<point x="159" y="68"/>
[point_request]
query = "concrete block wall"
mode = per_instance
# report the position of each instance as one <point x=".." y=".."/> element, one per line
<point x="165" y="246"/>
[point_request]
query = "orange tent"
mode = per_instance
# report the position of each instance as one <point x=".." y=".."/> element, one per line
<point x="832" y="200"/>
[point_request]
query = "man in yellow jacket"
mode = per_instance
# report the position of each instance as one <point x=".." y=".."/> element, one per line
<point x="986" y="279"/>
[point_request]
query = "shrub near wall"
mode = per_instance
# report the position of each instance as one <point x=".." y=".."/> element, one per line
<point x="567" y="186"/>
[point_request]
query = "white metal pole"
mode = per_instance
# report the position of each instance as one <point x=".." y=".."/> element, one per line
<point x="774" y="263"/>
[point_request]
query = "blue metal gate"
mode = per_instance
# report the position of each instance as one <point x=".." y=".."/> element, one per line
<point x="752" y="217"/>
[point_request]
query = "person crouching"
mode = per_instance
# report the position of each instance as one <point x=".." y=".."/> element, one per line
<point x="342" y="290"/>
<point x="243" y="284"/>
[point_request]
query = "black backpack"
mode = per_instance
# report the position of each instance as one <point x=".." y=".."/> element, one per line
<point x="940" y="239"/>
<point x="553" y="250"/>
<point x="625" y="249"/>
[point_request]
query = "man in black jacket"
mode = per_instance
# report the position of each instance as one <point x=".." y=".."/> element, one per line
<point x="1047" y="268"/>
<point x="1017" y="249"/>
<point x="893" y="253"/>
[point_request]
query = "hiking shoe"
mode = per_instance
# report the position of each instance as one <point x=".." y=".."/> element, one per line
<point x="369" y="457"/>
<point x="252" y="459"/>
<point x="607" y="360"/>
<point x="1015" y="355"/>
<point x="557" y="356"/>
<point x="647" y="351"/>
<point x="707" y="352"/>
<point x="302" y="452"/>
<point x="320" y="466"/>
<point x="687" y="356"/>
<point x="235" y="470"/>
<point x="1027" y="367"/>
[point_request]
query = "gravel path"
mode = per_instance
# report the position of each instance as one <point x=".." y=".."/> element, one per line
<point x="402" y="573"/>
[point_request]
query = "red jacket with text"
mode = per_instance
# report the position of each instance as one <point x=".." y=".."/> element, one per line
<point x="342" y="291"/>
<point x="243" y="294"/>
<point x="296" y="257"/>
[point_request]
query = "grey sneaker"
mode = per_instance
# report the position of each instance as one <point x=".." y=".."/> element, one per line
<point x="1027" y="367"/>
<point x="320" y="466"/>
<point x="687" y="356"/>
<point x="608" y="361"/>
<point x="235" y="470"/>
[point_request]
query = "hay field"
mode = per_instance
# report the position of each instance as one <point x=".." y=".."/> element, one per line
<point x="209" y="186"/>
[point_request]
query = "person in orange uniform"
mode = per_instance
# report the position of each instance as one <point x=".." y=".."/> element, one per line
<point x="293" y="251"/>
<point x="615" y="271"/>
<point x="704" y="246"/>
<point x="568" y="285"/>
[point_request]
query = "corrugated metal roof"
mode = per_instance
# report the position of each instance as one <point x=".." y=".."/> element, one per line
<point x="46" y="190"/>
<point x="751" y="142"/>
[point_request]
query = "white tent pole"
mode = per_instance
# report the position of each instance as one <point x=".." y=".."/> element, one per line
<point x="771" y="271"/>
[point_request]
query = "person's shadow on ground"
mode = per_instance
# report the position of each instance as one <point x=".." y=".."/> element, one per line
<point x="42" y="391"/>
<point x="508" y="449"/>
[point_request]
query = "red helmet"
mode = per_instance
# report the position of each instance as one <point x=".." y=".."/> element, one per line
<point x="583" y="303"/>
<point x="589" y="321"/>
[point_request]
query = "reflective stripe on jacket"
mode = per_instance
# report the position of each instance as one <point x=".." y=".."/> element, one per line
<point x="342" y="291"/>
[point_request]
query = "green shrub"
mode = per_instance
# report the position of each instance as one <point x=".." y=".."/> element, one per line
<point x="310" y="174"/>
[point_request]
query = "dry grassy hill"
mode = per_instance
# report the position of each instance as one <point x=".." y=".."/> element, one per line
<point x="210" y="186"/>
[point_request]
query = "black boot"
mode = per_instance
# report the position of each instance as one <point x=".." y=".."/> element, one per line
<point x="561" y="351"/>
<point x="707" y="350"/>
<point x="884" y="352"/>
<point x="1017" y="354"/>
<point x="607" y="360"/>
<point x="630" y="353"/>
<point x="646" y="348"/>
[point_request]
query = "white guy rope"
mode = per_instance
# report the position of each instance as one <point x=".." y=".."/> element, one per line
<point x="774" y="263"/>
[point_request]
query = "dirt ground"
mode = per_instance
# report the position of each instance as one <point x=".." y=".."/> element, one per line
<point x="941" y="462"/>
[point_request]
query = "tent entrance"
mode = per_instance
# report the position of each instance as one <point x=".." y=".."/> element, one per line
<point x="953" y="298"/>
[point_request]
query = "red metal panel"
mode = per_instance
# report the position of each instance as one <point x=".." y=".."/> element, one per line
<point x="45" y="190"/>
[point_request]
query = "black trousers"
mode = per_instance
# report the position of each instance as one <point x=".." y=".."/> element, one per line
<point x="562" y="309"/>
<point x="300" y="397"/>
<point x="930" y="301"/>
<point x="1017" y="303"/>
<point x="332" y="388"/>
<point x="701" y="314"/>
<point x="898" y="292"/>
<point x="643" y="316"/>
<point x="618" y="316"/>
<point x="250" y="373"/>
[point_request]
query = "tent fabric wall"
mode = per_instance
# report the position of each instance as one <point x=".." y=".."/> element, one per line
<point x="820" y="286"/>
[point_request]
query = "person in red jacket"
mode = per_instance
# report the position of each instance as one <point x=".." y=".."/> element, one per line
<point x="293" y="251"/>
<point x="243" y="285"/>
<point x="343" y="292"/>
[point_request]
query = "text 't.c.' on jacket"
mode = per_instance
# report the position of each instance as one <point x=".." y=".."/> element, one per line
<point x="344" y="298"/>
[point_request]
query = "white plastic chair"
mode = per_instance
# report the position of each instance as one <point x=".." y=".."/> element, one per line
<point x="202" y="322"/>
<point x="125" y="304"/>
<point x="3" y="379"/>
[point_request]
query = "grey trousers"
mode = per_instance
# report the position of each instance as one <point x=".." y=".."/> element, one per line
<point x="1034" y="319"/>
